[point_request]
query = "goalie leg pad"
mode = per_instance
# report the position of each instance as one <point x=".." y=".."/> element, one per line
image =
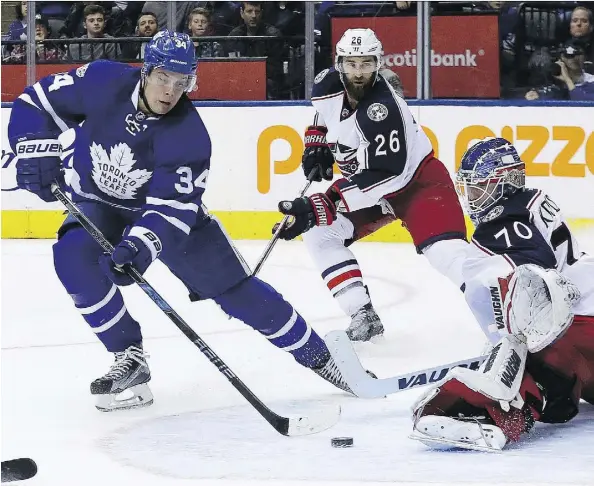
<point x="439" y="432"/>
<point x="497" y="391"/>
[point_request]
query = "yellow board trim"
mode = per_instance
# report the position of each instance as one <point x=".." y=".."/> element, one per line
<point x="241" y="225"/>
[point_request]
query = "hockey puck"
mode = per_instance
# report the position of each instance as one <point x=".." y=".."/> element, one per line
<point x="342" y="442"/>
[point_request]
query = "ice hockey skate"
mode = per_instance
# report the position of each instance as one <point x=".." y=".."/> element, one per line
<point x="124" y="386"/>
<point x="365" y="324"/>
<point x="476" y="433"/>
<point x="332" y="374"/>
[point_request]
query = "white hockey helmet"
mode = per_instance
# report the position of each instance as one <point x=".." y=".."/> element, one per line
<point x="358" y="42"/>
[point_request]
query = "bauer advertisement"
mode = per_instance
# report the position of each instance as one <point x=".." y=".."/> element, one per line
<point x="257" y="154"/>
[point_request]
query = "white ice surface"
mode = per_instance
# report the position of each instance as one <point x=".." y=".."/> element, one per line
<point x="201" y="431"/>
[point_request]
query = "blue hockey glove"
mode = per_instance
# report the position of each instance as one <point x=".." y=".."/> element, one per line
<point x="38" y="164"/>
<point x="139" y="248"/>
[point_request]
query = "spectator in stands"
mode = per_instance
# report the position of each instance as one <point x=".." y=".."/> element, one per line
<point x="183" y="10"/>
<point x="581" y="23"/>
<point x="251" y="14"/>
<point x="579" y="84"/>
<point x="224" y="16"/>
<point x="122" y="20"/>
<point x="199" y="25"/>
<point x="17" y="30"/>
<point x="55" y="12"/>
<point x="288" y="17"/>
<point x="74" y="24"/>
<point x="44" y="52"/>
<point x="94" y="19"/>
<point x="580" y="28"/>
<point x="565" y="78"/>
<point x="145" y="27"/>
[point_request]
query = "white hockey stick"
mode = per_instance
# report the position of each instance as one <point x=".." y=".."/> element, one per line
<point x="365" y="386"/>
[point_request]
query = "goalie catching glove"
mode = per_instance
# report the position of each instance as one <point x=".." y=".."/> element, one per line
<point x="315" y="210"/>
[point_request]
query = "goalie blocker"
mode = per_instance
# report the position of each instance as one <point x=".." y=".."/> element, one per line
<point x="538" y="371"/>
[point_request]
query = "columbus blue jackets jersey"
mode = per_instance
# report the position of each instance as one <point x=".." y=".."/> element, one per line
<point x="378" y="146"/>
<point x="114" y="153"/>
<point x="527" y="227"/>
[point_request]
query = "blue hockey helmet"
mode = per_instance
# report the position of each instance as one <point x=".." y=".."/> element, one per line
<point x="490" y="170"/>
<point x="171" y="51"/>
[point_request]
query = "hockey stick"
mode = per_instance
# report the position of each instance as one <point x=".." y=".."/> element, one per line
<point x="365" y="386"/>
<point x="18" y="469"/>
<point x="282" y="224"/>
<point x="289" y="426"/>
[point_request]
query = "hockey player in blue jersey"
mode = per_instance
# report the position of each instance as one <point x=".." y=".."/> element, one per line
<point x="135" y="155"/>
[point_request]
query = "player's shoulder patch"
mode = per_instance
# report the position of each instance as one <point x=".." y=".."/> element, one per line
<point x="82" y="70"/>
<point x="327" y="83"/>
<point x="379" y="102"/>
<point x="493" y="214"/>
<point x="377" y="112"/>
<point x="378" y="107"/>
<point x="514" y="208"/>
<point x="321" y="75"/>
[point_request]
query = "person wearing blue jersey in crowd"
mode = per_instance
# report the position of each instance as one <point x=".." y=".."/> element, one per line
<point x="135" y="156"/>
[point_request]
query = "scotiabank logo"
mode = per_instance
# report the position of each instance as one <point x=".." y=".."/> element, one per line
<point x="468" y="58"/>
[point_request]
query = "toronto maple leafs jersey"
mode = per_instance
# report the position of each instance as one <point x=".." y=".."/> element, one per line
<point x="378" y="146"/>
<point x="115" y="154"/>
<point x="527" y="227"/>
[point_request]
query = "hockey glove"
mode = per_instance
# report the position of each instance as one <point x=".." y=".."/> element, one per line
<point x="38" y="164"/>
<point x="315" y="210"/>
<point x="317" y="154"/>
<point x="139" y="249"/>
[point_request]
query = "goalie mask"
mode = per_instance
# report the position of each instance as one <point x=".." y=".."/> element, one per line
<point x="359" y="43"/>
<point x="490" y="170"/>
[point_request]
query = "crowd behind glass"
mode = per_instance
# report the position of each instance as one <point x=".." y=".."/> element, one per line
<point x="546" y="49"/>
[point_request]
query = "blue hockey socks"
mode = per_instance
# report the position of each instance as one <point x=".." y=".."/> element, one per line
<point x="99" y="301"/>
<point x="261" y="307"/>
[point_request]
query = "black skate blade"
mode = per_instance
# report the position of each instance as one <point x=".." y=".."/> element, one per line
<point x="18" y="469"/>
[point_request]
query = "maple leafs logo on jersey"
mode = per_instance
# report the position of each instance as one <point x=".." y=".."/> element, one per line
<point x="114" y="174"/>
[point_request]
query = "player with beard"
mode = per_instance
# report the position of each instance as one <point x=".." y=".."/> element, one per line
<point x="389" y="172"/>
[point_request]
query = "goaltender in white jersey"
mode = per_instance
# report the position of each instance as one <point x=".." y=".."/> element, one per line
<point x="532" y="291"/>
<point x="389" y="173"/>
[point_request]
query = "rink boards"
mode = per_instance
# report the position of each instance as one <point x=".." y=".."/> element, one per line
<point x="257" y="153"/>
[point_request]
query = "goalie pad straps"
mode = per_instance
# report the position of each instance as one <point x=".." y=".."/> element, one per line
<point x="499" y="387"/>
<point x="538" y="305"/>
<point x="499" y="377"/>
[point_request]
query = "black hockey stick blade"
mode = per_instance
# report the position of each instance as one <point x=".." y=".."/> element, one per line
<point x="18" y="469"/>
